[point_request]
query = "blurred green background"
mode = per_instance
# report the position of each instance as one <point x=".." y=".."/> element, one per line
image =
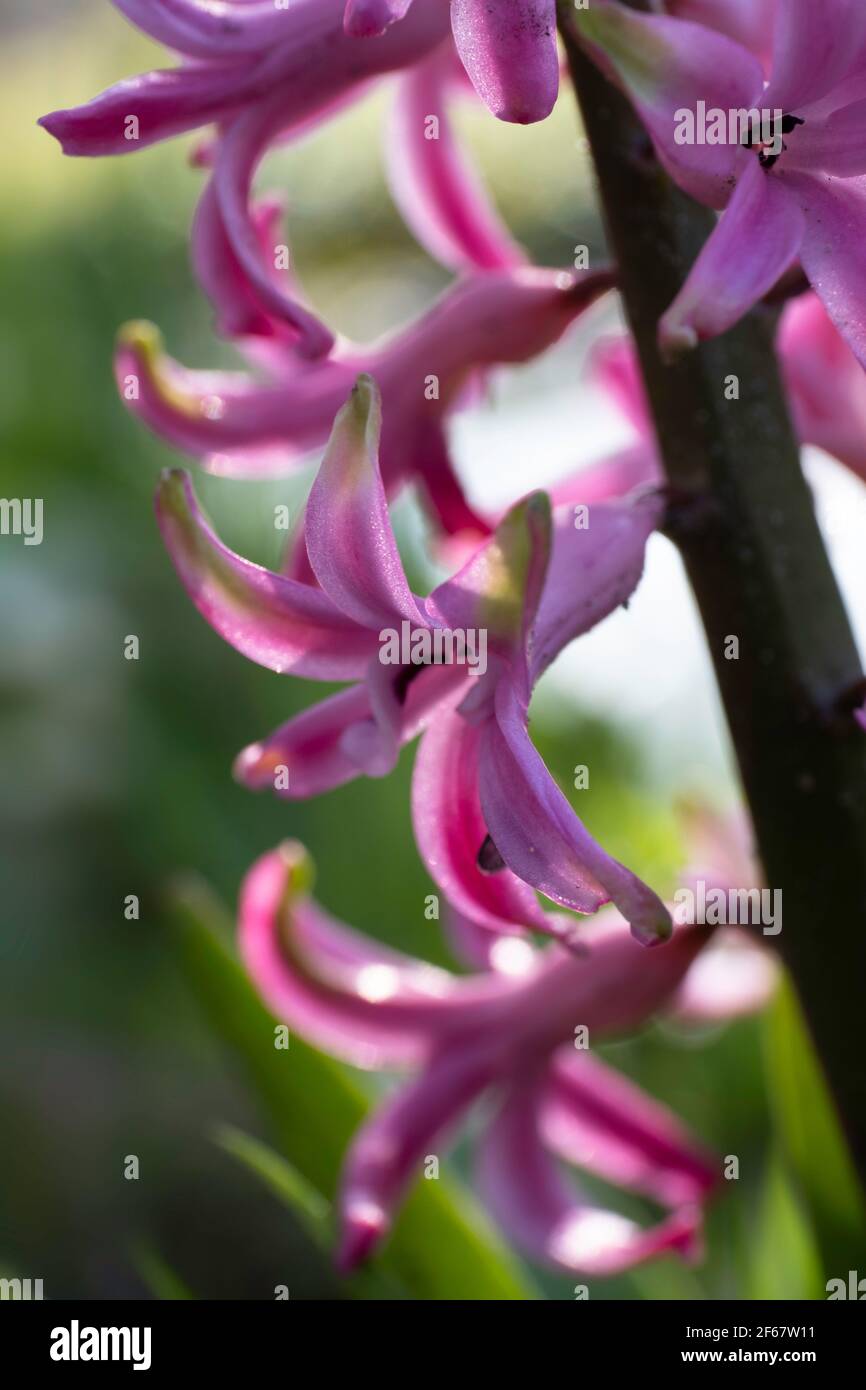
<point x="115" y="775"/>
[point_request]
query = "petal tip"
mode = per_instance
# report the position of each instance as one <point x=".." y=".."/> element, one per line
<point x="299" y="869"/>
<point x="676" y="339"/>
<point x="364" y="1226"/>
<point x="652" y="929"/>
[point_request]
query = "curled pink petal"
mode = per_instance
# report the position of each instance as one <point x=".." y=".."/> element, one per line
<point x="367" y="1004"/>
<point x="388" y="1151"/>
<point x="348" y="530"/>
<point x="759" y="235"/>
<point x="546" y="1218"/>
<point x="508" y="48"/>
<point x="369" y="18"/>
<point x="340" y="738"/>
<point x="833" y="251"/>
<point x="227" y="418"/>
<point x="609" y="478"/>
<point x="215" y="29"/>
<point x="596" y="563"/>
<point x="277" y="622"/>
<point x="163" y="103"/>
<point x="814" y="47"/>
<point x="598" y="1120"/>
<point x="542" y="839"/>
<point x="240" y="150"/>
<point x="665" y="66"/>
<point x="450" y="832"/>
<point x="499" y="590"/>
<point x="239" y="310"/>
<point x="436" y="189"/>
<point x="306" y="756"/>
<point x="750" y="22"/>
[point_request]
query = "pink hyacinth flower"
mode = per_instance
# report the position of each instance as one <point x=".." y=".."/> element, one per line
<point x="491" y="822"/>
<point x="511" y="1034"/>
<point x="243" y="427"/>
<point x="236" y="57"/>
<point x="263" y="74"/>
<point x="806" y="202"/>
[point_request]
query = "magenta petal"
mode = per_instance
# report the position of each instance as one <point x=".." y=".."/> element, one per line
<point x="214" y="29"/>
<point x="666" y="66"/>
<point x="826" y="384"/>
<point x="508" y="48"/>
<point x="239" y="310"/>
<point x="500" y="588"/>
<point x="307" y="752"/>
<point x="240" y="149"/>
<point x="436" y="189"/>
<point x="750" y="22"/>
<point x="611" y="984"/>
<point x="614" y="367"/>
<point x="387" y="1153"/>
<point x="832" y="145"/>
<point x="450" y="830"/>
<point x="165" y="103"/>
<point x="341" y="738"/>
<point x="349" y="538"/>
<point x="593" y="569"/>
<point x="368" y="18"/>
<point x="541" y="838"/>
<point x="833" y="252"/>
<point x="608" y="479"/>
<point x="439" y="484"/>
<point x="352" y="996"/>
<point x="758" y="237"/>
<point x="400" y="711"/>
<point x="814" y="47"/>
<point x="236" y="425"/>
<point x="275" y="621"/>
<point x="545" y="1217"/>
<point x="595" y="1118"/>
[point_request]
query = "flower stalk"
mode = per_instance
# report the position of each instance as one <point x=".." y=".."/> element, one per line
<point x="744" y="521"/>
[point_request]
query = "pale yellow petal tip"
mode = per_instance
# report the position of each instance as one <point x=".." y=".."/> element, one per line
<point x="142" y="337"/>
<point x="300" y="871"/>
<point x="171" y="494"/>
<point x="365" y="403"/>
<point x="145" y="340"/>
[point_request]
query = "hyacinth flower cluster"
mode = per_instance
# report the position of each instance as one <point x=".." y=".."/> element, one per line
<point x="476" y="761"/>
<point x="805" y="202"/>
<point x="456" y="669"/>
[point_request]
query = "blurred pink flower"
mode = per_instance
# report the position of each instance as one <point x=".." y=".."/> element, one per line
<point x="515" y="1032"/>
<point x="826" y="390"/>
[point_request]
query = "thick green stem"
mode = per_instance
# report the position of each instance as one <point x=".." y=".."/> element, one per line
<point x="757" y="564"/>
